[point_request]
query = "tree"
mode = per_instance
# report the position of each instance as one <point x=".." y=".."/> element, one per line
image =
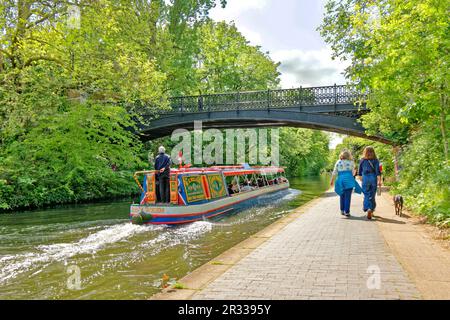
<point x="77" y="155"/>
<point x="303" y="151"/>
<point x="400" y="51"/>
<point x="73" y="75"/>
<point x="46" y="60"/>
<point x="69" y="85"/>
<point x="227" y="62"/>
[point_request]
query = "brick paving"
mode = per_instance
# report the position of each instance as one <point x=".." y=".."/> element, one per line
<point x="319" y="255"/>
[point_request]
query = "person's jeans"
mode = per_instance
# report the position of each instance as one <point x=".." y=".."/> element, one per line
<point x="164" y="191"/>
<point x="369" y="187"/>
<point x="346" y="198"/>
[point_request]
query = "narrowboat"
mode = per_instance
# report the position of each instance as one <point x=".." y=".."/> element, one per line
<point x="201" y="193"/>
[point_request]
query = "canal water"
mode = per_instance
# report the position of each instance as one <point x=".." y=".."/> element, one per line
<point x="93" y="252"/>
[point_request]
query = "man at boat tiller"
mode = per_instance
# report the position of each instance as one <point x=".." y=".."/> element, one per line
<point x="162" y="167"/>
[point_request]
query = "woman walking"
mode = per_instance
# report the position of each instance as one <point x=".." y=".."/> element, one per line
<point x="345" y="171"/>
<point x="369" y="171"/>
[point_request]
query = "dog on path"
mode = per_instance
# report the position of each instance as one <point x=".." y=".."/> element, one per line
<point x="398" y="203"/>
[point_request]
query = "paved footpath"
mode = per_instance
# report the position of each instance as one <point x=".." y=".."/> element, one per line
<point x="314" y="254"/>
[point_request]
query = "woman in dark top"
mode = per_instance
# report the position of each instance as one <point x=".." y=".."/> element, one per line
<point x="369" y="171"/>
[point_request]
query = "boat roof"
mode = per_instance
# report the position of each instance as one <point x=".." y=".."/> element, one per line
<point x="230" y="170"/>
<point x="226" y="170"/>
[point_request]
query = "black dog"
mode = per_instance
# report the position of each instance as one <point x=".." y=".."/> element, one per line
<point x="398" y="202"/>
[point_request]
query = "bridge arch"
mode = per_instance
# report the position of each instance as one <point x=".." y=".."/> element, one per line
<point x="257" y="118"/>
<point x="330" y="108"/>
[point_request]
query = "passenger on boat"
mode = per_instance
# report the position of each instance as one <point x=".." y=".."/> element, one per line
<point x="230" y="189"/>
<point x="162" y="167"/>
<point x="246" y="187"/>
<point x="260" y="182"/>
<point x="234" y="187"/>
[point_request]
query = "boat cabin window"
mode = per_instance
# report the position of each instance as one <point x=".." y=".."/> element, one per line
<point x="247" y="182"/>
<point x="260" y="180"/>
<point x="275" y="178"/>
<point x="241" y="183"/>
<point x="254" y="181"/>
<point x="246" y="186"/>
<point x="233" y="184"/>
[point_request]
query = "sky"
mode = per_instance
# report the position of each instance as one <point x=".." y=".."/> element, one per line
<point x="286" y="29"/>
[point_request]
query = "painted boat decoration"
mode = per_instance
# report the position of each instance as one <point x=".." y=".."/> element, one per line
<point x="200" y="193"/>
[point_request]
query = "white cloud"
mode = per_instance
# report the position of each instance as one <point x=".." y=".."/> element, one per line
<point x="235" y="8"/>
<point x="309" y="68"/>
<point x="252" y="36"/>
<point x="299" y="67"/>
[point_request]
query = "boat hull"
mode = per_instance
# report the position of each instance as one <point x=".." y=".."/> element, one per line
<point x="154" y="214"/>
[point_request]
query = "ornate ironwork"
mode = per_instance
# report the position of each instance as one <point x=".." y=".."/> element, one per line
<point x="334" y="108"/>
<point x="257" y="100"/>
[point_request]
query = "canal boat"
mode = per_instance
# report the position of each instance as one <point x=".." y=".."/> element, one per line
<point x="201" y="193"/>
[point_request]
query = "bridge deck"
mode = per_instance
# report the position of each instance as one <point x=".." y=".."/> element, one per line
<point x="282" y="98"/>
<point x="333" y="108"/>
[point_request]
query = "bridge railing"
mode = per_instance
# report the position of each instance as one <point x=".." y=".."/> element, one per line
<point x="251" y="100"/>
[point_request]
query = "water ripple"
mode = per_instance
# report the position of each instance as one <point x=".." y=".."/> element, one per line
<point x="13" y="265"/>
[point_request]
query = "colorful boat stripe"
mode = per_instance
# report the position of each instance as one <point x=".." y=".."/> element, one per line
<point x="178" y="220"/>
<point x="168" y="218"/>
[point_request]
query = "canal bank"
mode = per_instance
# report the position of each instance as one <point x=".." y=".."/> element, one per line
<point x="315" y="253"/>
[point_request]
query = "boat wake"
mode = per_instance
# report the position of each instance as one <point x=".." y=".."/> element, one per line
<point x="161" y="238"/>
<point x="262" y="205"/>
<point x="13" y="265"/>
<point x="177" y="235"/>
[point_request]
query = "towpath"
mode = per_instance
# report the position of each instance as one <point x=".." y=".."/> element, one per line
<point x="315" y="253"/>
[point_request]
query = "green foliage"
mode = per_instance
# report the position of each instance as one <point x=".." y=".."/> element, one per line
<point x="228" y="63"/>
<point x="304" y="152"/>
<point x="69" y="157"/>
<point x="69" y="89"/>
<point x="400" y="52"/>
<point x="425" y="176"/>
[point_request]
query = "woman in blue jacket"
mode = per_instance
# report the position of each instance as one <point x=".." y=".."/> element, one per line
<point x="369" y="171"/>
<point x="344" y="169"/>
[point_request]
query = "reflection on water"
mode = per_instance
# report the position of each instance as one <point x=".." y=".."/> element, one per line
<point x="118" y="260"/>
